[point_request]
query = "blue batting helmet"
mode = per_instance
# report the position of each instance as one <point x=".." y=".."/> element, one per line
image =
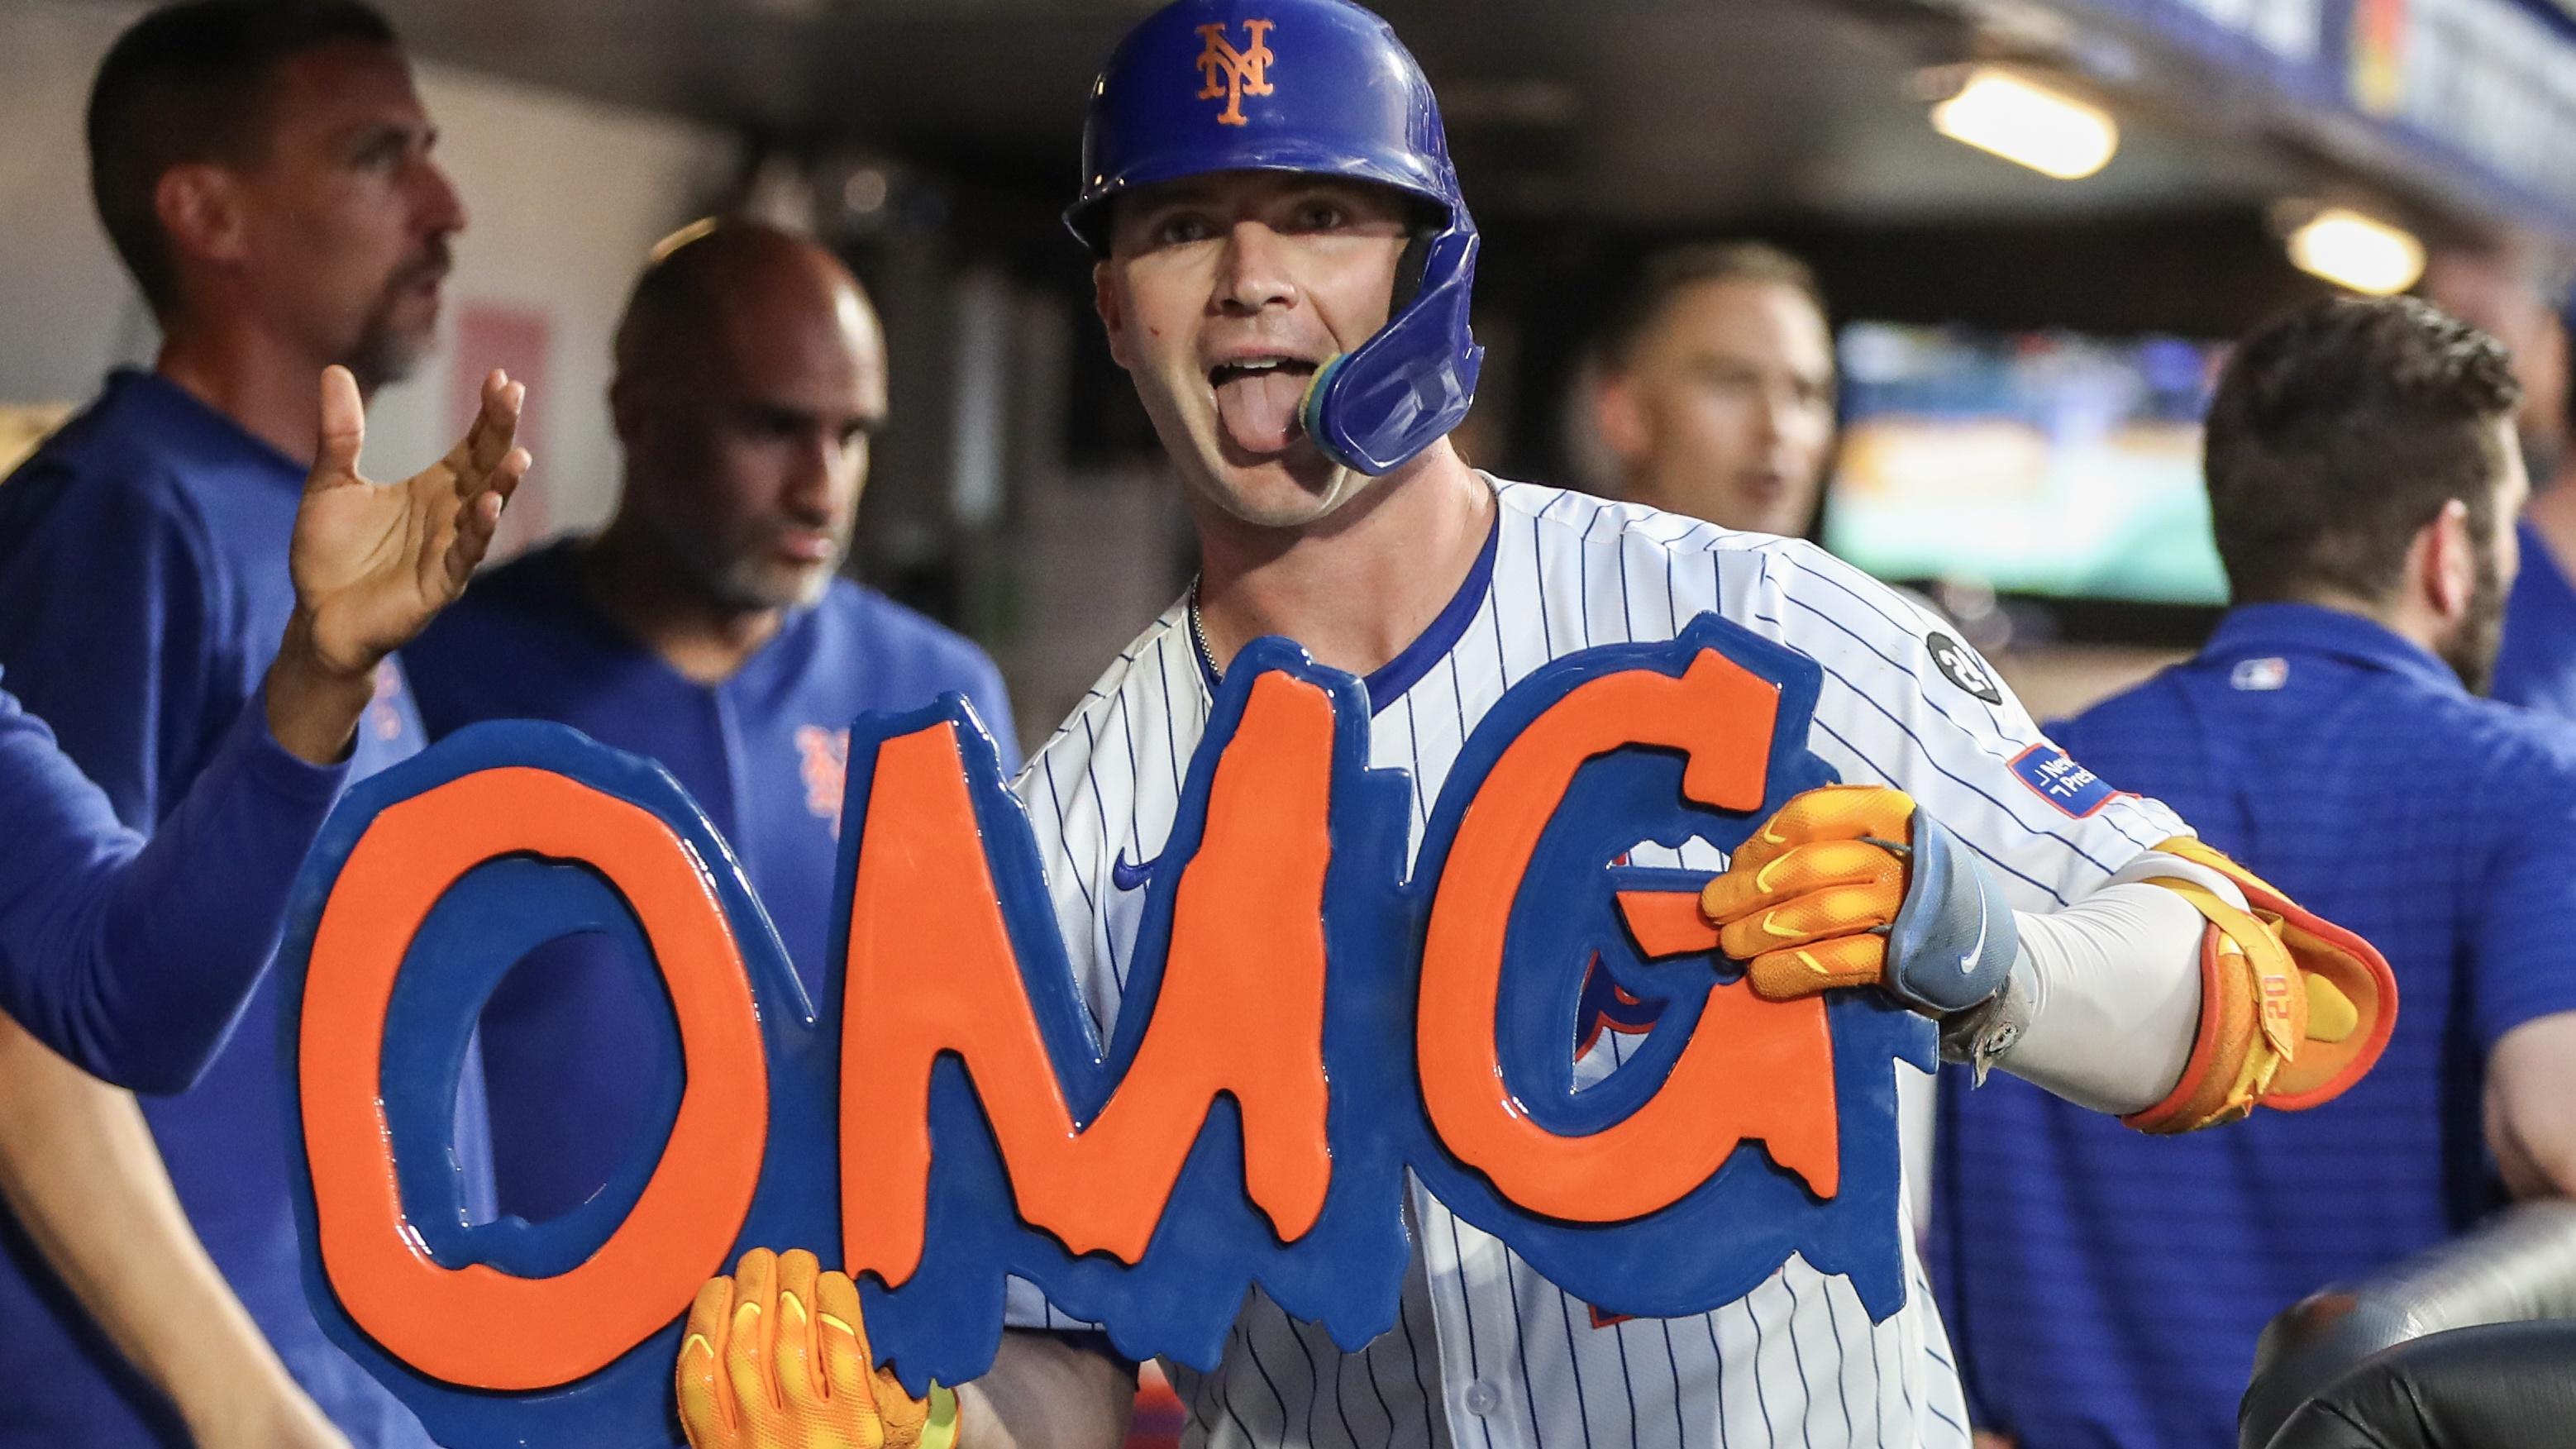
<point x="1320" y="87"/>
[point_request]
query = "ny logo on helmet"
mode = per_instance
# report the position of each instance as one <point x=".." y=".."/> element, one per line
<point x="1233" y="73"/>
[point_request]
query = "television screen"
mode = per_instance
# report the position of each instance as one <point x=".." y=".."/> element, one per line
<point x="2037" y="463"/>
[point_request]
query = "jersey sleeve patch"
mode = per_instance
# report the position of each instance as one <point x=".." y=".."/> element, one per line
<point x="1960" y="665"/>
<point x="2055" y="777"/>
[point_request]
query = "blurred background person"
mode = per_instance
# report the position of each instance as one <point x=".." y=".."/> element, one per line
<point x="134" y="959"/>
<point x="1716" y="387"/>
<point x="707" y="628"/>
<point x="2363" y="476"/>
<point x="2536" y="663"/>
<point x="2503" y="290"/>
<point x="263" y="171"/>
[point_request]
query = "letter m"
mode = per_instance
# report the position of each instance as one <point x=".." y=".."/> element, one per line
<point x="953" y="951"/>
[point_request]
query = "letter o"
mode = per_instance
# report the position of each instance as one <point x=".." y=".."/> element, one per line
<point x="475" y="1325"/>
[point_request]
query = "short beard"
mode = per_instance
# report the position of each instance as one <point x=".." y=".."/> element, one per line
<point x="2471" y="649"/>
<point x="384" y="353"/>
<point x="2542" y="453"/>
<point x="739" y="586"/>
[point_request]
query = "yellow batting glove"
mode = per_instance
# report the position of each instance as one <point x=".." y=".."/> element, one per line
<point x="776" y="1357"/>
<point x="1805" y="901"/>
<point x="1851" y="885"/>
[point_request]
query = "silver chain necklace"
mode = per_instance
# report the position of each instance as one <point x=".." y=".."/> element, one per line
<point x="1198" y="636"/>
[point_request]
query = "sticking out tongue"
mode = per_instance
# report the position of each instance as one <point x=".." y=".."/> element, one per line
<point x="1259" y="408"/>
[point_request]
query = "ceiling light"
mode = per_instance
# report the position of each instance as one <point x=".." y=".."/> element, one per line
<point x="2357" y="252"/>
<point x="2028" y="123"/>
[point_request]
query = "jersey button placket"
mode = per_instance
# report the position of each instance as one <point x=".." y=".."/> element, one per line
<point x="1482" y="1398"/>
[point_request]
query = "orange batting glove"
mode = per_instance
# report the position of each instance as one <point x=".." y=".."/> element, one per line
<point x="776" y="1358"/>
<point x="1851" y="885"/>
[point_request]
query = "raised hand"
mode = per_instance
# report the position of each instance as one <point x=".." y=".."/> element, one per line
<point x="373" y="563"/>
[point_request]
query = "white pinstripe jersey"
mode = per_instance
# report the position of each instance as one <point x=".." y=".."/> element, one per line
<point x="1488" y="1354"/>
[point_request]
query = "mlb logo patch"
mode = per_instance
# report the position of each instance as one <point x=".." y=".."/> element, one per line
<point x="2057" y="779"/>
<point x="2260" y="674"/>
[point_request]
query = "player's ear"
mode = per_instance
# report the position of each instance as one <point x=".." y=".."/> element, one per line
<point x="1112" y="309"/>
<point x="198" y="206"/>
<point x="2448" y="567"/>
<point x="628" y="408"/>
<point x="1617" y="413"/>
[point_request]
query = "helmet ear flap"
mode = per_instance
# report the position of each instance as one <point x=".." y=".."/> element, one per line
<point x="1376" y="408"/>
<point x="1408" y="269"/>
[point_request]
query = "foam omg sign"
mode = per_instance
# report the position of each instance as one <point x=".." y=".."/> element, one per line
<point x="1304" y="1020"/>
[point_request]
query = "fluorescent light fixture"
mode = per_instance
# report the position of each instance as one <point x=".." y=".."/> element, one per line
<point x="2357" y="252"/>
<point x="2028" y="123"/>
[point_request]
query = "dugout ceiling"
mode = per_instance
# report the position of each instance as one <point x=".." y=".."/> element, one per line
<point x="1621" y="112"/>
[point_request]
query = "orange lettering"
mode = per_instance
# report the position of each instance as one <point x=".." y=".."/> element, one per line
<point x="475" y="1325"/>
<point x="1240" y="1008"/>
<point x="1752" y="1068"/>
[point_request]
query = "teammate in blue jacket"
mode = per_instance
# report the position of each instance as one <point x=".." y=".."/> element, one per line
<point x="134" y="958"/>
<point x="706" y="628"/>
<point x="2363" y="480"/>
<point x="265" y="171"/>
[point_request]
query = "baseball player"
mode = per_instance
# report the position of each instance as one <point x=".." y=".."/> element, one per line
<point x="707" y="629"/>
<point x="1283" y="266"/>
<point x="132" y="959"/>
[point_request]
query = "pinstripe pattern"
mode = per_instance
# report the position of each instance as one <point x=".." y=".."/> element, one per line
<point x="1487" y="1353"/>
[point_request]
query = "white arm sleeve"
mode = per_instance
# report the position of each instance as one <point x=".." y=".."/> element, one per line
<point x="2104" y="999"/>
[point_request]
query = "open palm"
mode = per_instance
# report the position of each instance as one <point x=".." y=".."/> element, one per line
<point x="374" y="562"/>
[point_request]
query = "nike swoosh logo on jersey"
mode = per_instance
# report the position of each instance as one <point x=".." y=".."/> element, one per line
<point x="1130" y="877"/>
